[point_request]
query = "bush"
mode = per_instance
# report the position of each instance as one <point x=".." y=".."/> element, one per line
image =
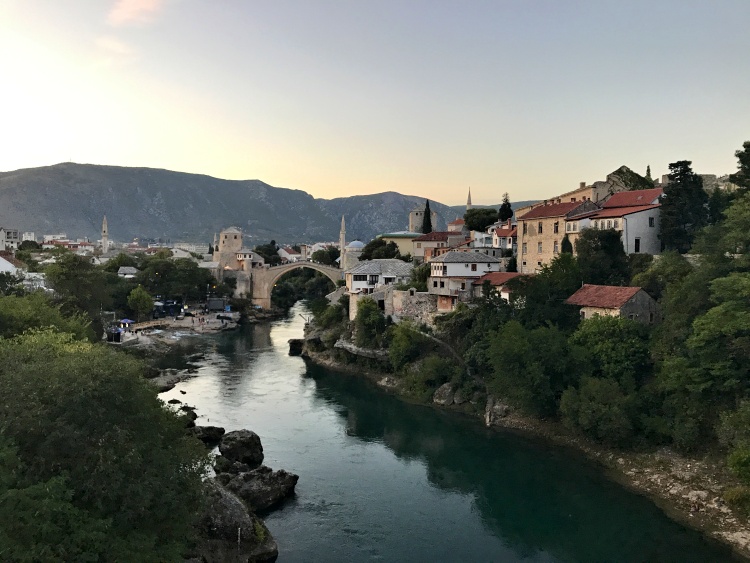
<point x="405" y="345"/>
<point x="428" y="376"/>
<point x="599" y="409"/>
<point x="738" y="498"/>
<point x="369" y="324"/>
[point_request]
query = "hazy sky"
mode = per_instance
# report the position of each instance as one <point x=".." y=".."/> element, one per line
<point x="353" y="97"/>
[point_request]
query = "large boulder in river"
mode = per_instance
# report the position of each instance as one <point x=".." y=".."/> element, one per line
<point x="444" y="395"/>
<point x="243" y="446"/>
<point x="261" y="488"/>
<point x="494" y="411"/>
<point x="209" y="435"/>
<point x="228" y="533"/>
<point x="224" y="466"/>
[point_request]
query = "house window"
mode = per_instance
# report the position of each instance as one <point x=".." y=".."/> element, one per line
<point x="359" y="277"/>
<point x="539" y="247"/>
<point x="555" y="248"/>
<point x="631" y="316"/>
<point x="473" y="267"/>
<point x="463" y="285"/>
<point x="442" y="283"/>
<point x="609" y="224"/>
<point x="524" y="262"/>
<point x="434" y="283"/>
<point x="651" y="222"/>
<point x="583" y="314"/>
<point x="419" y="245"/>
<point x="525" y="228"/>
<point x="523" y="248"/>
<point x="556" y="227"/>
<point x="575" y="227"/>
<point x="568" y="227"/>
<point x="539" y="228"/>
<point x="572" y="199"/>
<point x="637" y="245"/>
<point x="616" y="224"/>
<point x="596" y="224"/>
<point x="235" y="237"/>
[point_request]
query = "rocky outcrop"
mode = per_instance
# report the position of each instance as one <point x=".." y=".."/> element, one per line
<point x="444" y="395"/>
<point x="228" y="533"/>
<point x="224" y="465"/>
<point x="374" y="353"/>
<point x="242" y="446"/>
<point x="494" y="411"/>
<point x="260" y="488"/>
<point x="209" y="435"/>
<point x="295" y="346"/>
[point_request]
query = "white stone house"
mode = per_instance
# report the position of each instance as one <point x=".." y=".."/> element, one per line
<point x="288" y="254"/>
<point x="9" y="238"/>
<point x="452" y="274"/>
<point x="369" y="275"/>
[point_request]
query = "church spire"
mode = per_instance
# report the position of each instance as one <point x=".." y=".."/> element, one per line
<point x="468" y="200"/>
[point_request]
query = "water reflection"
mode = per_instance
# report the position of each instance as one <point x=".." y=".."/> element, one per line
<point x="533" y="497"/>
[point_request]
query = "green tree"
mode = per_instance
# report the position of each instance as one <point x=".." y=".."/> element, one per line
<point x="684" y="207"/>
<point x="601" y="257"/>
<point x="10" y="284"/>
<point x="479" y="218"/>
<point x="566" y="246"/>
<point x="369" y="323"/>
<point x="85" y="414"/>
<point x="269" y="252"/>
<point x="599" y="409"/>
<point x="29" y="245"/>
<point x="618" y="348"/>
<point x="427" y="218"/>
<point x="506" y="211"/>
<point x="35" y="311"/>
<point x="742" y="176"/>
<point x="122" y="259"/>
<point x="405" y="345"/>
<point x="140" y="302"/>
<point x="648" y="173"/>
<point x="669" y="269"/>
<point x="377" y="248"/>
<point x="326" y="256"/>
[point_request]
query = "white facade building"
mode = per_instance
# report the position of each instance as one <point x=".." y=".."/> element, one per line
<point x="368" y="275"/>
<point x="452" y="274"/>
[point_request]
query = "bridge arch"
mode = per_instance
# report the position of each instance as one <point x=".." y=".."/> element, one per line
<point x="265" y="278"/>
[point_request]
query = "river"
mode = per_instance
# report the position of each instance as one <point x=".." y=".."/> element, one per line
<point x="383" y="480"/>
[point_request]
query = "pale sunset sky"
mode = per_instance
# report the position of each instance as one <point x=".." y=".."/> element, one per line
<point x="345" y="97"/>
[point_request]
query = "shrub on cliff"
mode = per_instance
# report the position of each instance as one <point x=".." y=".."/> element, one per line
<point x="94" y="453"/>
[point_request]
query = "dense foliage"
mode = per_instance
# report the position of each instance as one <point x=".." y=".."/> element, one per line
<point x="92" y="466"/>
<point x="506" y="211"/>
<point x="479" y="218"/>
<point x="427" y="225"/>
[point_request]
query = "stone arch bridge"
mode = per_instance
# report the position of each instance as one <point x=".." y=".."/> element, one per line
<point x="265" y="278"/>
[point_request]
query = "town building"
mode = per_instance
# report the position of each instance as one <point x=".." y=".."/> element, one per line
<point x="369" y="275"/>
<point x="457" y="225"/>
<point x="424" y="245"/>
<point x="452" y="275"/>
<point x="541" y="230"/>
<point x="636" y="215"/>
<point x="28" y="235"/>
<point x="402" y="239"/>
<point x="9" y="238"/>
<point x="288" y="254"/>
<point x="612" y="301"/>
<point x="498" y="281"/>
<point x="504" y="236"/>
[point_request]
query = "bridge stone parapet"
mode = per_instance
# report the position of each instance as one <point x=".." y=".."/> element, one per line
<point x="265" y="278"/>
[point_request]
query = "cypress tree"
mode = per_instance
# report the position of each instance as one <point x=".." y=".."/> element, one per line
<point x="427" y="219"/>
<point x="506" y="211"/>
<point x="566" y="246"/>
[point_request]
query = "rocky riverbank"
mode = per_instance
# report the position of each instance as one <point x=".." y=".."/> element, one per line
<point x="688" y="490"/>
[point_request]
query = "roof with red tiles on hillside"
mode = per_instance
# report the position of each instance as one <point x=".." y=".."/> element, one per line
<point x="551" y="210"/>
<point x="602" y="296"/>
<point x="496" y="279"/>
<point x="621" y="211"/>
<point x="636" y="197"/>
<point x="436" y="236"/>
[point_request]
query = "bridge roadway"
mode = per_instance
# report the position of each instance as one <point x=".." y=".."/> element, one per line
<point x="265" y="278"/>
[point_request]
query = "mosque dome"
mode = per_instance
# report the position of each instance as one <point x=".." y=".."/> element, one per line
<point x="355" y="245"/>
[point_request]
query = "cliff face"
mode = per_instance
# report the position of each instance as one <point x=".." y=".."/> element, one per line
<point x="163" y="204"/>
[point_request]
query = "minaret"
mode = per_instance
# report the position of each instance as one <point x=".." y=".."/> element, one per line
<point x="105" y="235"/>
<point x="468" y="200"/>
<point x="342" y="243"/>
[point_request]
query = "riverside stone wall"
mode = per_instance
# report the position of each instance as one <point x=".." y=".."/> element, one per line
<point x="420" y="307"/>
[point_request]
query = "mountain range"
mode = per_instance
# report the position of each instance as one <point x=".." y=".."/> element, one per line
<point x="161" y="204"/>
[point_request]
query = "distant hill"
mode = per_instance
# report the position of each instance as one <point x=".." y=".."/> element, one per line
<point x="161" y="204"/>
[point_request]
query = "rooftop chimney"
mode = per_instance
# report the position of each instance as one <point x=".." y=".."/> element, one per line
<point x="583" y="185"/>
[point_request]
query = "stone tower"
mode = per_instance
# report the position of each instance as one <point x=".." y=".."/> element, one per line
<point x="342" y="243"/>
<point x="105" y="235"/>
<point x="468" y="201"/>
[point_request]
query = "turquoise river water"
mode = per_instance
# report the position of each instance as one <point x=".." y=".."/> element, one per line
<point x="383" y="480"/>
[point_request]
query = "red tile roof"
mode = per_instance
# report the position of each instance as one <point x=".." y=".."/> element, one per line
<point x="458" y="221"/>
<point x="551" y="210"/>
<point x="496" y="278"/>
<point x="437" y="236"/>
<point x="621" y="211"/>
<point x="8" y="256"/>
<point x="506" y="232"/>
<point x="636" y="197"/>
<point x="602" y="296"/>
